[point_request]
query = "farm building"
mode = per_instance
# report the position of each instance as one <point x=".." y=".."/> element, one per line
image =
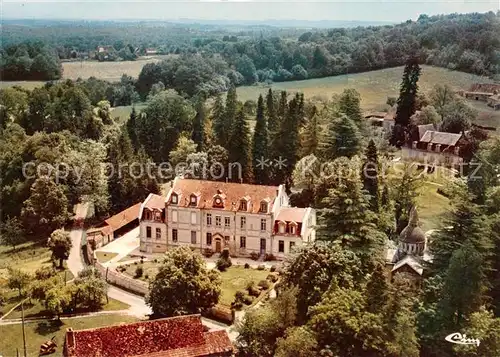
<point x="175" y="336"/>
<point x="481" y="91"/>
<point x="115" y="226"/>
<point x="436" y="148"/>
<point x="494" y="101"/>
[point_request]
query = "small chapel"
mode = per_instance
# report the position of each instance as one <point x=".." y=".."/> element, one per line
<point x="411" y="251"/>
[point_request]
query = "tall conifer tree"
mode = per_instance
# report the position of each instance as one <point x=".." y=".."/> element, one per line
<point x="342" y="139"/>
<point x="240" y="147"/>
<point x="198" y="135"/>
<point x="369" y="175"/>
<point x="260" y="146"/>
<point x="218" y="127"/>
<point x="406" y="101"/>
<point x="230" y="114"/>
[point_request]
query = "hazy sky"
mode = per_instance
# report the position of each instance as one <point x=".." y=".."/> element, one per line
<point x="367" y="10"/>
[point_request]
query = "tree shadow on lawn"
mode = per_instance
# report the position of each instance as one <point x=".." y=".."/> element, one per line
<point x="48" y="327"/>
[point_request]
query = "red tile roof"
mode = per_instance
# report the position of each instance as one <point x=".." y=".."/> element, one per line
<point x="291" y="214"/>
<point x="124" y="217"/>
<point x="484" y="87"/>
<point x="231" y="194"/>
<point x="217" y="343"/>
<point x="155" y="202"/>
<point x="181" y="336"/>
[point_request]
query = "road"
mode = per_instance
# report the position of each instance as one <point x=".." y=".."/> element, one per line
<point x="137" y="304"/>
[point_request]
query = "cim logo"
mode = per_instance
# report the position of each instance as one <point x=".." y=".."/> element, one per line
<point x="460" y="339"/>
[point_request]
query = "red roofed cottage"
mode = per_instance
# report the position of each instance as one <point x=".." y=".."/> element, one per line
<point x="182" y="336"/>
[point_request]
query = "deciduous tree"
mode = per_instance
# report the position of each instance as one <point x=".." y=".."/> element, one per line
<point x="60" y="244"/>
<point x="183" y="285"/>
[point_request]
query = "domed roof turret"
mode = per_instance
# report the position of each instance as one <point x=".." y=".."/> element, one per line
<point x="412" y="232"/>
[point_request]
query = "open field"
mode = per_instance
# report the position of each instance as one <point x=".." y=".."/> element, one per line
<point x="109" y="71"/>
<point x="36" y="309"/>
<point x="123" y="112"/>
<point x="28" y="257"/>
<point x="41" y="331"/>
<point x="487" y="116"/>
<point x="374" y="86"/>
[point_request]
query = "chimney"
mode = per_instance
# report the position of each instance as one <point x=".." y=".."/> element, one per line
<point x="70" y="338"/>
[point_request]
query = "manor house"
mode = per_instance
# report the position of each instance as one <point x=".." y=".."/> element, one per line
<point x="212" y="215"/>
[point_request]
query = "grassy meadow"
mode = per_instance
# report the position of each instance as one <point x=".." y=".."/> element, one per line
<point x="374" y="86"/>
<point x="109" y="71"/>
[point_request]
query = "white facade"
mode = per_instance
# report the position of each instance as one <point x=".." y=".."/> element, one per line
<point x="204" y="227"/>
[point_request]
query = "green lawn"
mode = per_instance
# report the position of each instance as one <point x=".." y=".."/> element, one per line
<point x="27" y="257"/>
<point x="374" y="86"/>
<point x="103" y="257"/>
<point x="37" y="309"/>
<point x="432" y="206"/>
<point x="236" y="278"/>
<point x="39" y="332"/>
<point x="149" y="268"/>
<point x="123" y="112"/>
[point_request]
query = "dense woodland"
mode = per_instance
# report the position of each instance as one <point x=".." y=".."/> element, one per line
<point x="467" y="43"/>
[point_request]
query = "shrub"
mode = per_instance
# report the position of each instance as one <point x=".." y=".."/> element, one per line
<point x="135" y="263"/>
<point x="155" y="260"/>
<point x="269" y="257"/>
<point x="208" y="252"/>
<point x="253" y="291"/>
<point x="146" y="276"/>
<point x="261" y="267"/>
<point x="250" y="285"/>
<point x="138" y="271"/>
<point x="224" y="260"/>
<point x="237" y="305"/>
<point x="272" y="278"/>
<point x="45" y="273"/>
<point x="247" y="266"/>
<point x="264" y="284"/>
<point x="239" y="295"/>
<point x="273" y="268"/>
<point x="254" y="256"/>
<point x="248" y="300"/>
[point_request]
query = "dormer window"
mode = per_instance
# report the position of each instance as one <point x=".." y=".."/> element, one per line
<point x="218" y="202"/>
<point x="293" y="228"/>
<point x="263" y="207"/>
<point x="192" y="200"/>
<point x="243" y="205"/>
<point x="174" y="199"/>
<point x="281" y="227"/>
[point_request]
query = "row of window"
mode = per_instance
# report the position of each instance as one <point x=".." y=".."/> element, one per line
<point x="227" y="222"/>
<point x="193" y="200"/>
<point x="175" y="217"/>
<point x="158" y="232"/>
<point x="148" y="215"/>
<point x="243" y="240"/>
